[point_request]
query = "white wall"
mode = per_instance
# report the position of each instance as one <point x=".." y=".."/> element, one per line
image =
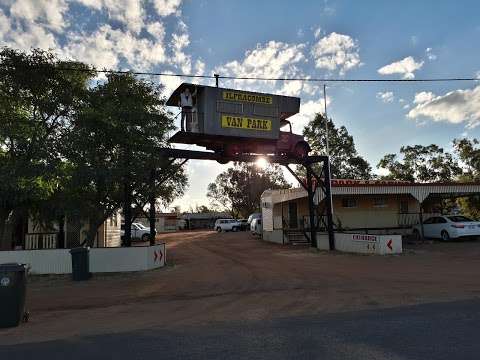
<point x="363" y="244"/>
<point x="58" y="261"/>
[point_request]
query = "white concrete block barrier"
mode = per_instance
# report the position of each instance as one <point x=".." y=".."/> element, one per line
<point x="363" y="243"/>
<point x="58" y="261"/>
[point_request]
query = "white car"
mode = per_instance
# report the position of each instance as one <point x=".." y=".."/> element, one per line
<point x="256" y="226"/>
<point x="447" y="227"/>
<point x="139" y="232"/>
<point x="227" y="225"/>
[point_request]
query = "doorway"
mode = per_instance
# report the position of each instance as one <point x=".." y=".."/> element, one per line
<point x="292" y="215"/>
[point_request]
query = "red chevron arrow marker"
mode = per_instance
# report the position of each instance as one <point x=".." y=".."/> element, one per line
<point x="155" y="256"/>
<point x="389" y="244"/>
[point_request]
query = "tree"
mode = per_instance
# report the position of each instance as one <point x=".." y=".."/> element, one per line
<point x="468" y="152"/>
<point x="345" y="162"/>
<point x="421" y="163"/>
<point x="239" y="188"/>
<point x="37" y="101"/>
<point x="113" y="150"/>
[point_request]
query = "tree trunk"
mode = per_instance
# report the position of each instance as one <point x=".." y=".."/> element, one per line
<point x="5" y="243"/>
<point x="93" y="225"/>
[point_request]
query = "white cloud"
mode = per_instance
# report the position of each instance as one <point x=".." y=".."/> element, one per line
<point x="180" y="58"/>
<point x="423" y="96"/>
<point x="167" y="7"/>
<point x="406" y="106"/>
<point x="106" y="47"/>
<point x="47" y="12"/>
<point x="477" y="74"/>
<point x="459" y="106"/>
<point x="336" y="52"/>
<point x="386" y="97"/>
<point x="128" y="12"/>
<point x="308" y="110"/>
<point x="24" y="36"/>
<point x="157" y="30"/>
<point x="273" y="59"/>
<point x="430" y="55"/>
<point x="317" y="32"/>
<point x="406" y="67"/>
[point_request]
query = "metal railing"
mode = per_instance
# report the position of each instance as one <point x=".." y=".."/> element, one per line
<point x="36" y="241"/>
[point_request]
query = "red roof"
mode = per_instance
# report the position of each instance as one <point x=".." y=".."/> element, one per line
<point x="353" y="183"/>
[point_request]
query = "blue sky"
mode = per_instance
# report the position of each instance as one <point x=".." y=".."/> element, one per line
<point x="337" y="39"/>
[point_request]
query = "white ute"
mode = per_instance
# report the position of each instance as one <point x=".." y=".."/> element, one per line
<point x="139" y="232"/>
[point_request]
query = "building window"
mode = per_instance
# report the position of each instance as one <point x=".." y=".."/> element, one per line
<point x="380" y="202"/>
<point x="349" y="203"/>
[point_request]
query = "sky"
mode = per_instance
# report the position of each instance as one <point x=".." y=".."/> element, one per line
<point x="316" y="39"/>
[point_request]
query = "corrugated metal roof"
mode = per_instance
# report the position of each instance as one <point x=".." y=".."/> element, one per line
<point x="418" y="191"/>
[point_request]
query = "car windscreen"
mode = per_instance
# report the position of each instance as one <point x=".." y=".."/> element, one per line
<point x="459" y="218"/>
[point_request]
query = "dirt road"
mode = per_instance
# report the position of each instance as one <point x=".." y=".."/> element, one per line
<point x="214" y="277"/>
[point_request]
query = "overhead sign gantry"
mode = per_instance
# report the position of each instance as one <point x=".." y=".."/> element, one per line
<point x="242" y="126"/>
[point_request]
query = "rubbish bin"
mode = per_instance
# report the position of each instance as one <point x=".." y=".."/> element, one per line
<point x="80" y="263"/>
<point x="13" y="285"/>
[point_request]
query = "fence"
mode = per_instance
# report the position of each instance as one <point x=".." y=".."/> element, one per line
<point x="41" y="241"/>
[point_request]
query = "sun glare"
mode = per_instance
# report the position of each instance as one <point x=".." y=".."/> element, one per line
<point x="261" y="163"/>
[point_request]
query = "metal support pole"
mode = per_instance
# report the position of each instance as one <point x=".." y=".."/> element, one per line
<point x="152" y="210"/>
<point x="311" y="207"/>
<point x="328" y="204"/>
<point x="326" y="118"/>
<point x="216" y="79"/>
<point x="421" y="221"/>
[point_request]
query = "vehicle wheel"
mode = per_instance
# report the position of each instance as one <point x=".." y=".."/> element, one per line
<point x="145" y="237"/>
<point x="445" y="236"/>
<point x="234" y="229"/>
<point x="219" y="229"/>
<point x="232" y="150"/>
<point x="416" y="235"/>
<point x="301" y="150"/>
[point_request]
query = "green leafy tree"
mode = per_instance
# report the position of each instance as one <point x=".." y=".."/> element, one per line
<point x="345" y="162"/>
<point x="468" y="151"/>
<point x="422" y="164"/>
<point x="37" y="102"/>
<point x="238" y="189"/>
<point x="113" y="150"/>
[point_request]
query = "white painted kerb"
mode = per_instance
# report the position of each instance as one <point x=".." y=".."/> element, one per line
<point x="58" y="261"/>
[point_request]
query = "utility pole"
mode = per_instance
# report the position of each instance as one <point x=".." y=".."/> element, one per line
<point x="216" y="79"/>
<point x="326" y="117"/>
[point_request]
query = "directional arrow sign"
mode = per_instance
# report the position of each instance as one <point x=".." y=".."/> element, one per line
<point x="157" y="255"/>
<point x="389" y="244"/>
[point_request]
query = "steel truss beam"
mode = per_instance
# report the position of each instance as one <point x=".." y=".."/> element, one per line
<point x="322" y="180"/>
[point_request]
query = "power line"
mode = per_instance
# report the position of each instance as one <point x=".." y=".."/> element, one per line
<point x="257" y="78"/>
